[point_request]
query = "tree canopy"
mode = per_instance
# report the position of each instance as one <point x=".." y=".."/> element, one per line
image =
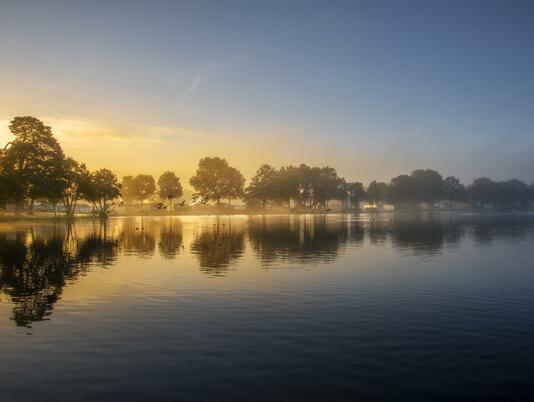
<point x="215" y="180"/>
<point x="34" y="168"/>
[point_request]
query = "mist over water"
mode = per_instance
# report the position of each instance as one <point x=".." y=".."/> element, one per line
<point x="303" y="307"/>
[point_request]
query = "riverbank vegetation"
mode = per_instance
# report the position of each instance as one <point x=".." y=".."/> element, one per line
<point x="34" y="171"/>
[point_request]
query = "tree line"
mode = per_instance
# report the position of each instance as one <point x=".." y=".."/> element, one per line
<point x="33" y="167"/>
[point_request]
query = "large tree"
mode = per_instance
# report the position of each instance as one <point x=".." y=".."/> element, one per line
<point x="28" y="159"/>
<point x="169" y="187"/>
<point x="215" y="180"/>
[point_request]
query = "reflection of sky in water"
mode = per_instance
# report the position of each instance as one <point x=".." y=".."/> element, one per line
<point x="338" y="292"/>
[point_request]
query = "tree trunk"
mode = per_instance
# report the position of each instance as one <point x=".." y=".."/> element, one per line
<point x="30" y="206"/>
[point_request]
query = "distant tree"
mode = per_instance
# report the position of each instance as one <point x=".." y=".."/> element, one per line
<point x="101" y="190"/>
<point x="305" y="177"/>
<point x="141" y="187"/>
<point x="128" y="190"/>
<point x="262" y="186"/>
<point x="235" y="183"/>
<point x="286" y="185"/>
<point x="215" y="180"/>
<point x="402" y="191"/>
<point x="26" y="160"/>
<point x="210" y="182"/>
<point x="325" y="185"/>
<point x="376" y="193"/>
<point x="453" y="190"/>
<point x="169" y="187"/>
<point x="427" y="186"/>
<point x="355" y="194"/>
<point x="513" y="194"/>
<point x="483" y="191"/>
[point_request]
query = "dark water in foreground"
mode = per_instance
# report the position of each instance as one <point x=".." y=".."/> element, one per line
<point x="299" y="308"/>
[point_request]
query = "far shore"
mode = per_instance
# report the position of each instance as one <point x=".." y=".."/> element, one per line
<point x="48" y="216"/>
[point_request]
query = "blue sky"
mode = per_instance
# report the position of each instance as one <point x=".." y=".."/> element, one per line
<point x="373" y="88"/>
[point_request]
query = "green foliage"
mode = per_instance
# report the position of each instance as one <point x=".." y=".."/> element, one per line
<point x="428" y="185"/>
<point x="356" y="193"/>
<point x="216" y="180"/>
<point x="34" y="167"/>
<point x="138" y="188"/>
<point x="483" y="191"/>
<point x="453" y="190"/>
<point x="169" y="186"/>
<point x="102" y="189"/>
<point x="29" y="161"/>
<point x="402" y="190"/>
<point x="505" y="194"/>
<point x="262" y="186"/>
<point x="377" y="193"/>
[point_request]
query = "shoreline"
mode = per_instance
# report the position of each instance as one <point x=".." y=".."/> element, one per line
<point x="50" y="217"/>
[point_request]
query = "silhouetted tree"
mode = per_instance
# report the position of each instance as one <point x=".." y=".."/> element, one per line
<point x="376" y="193"/>
<point x="326" y="185"/>
<point x="262" y="187"/>
<point x="286" y="185"/>
<point x="513" y="194"/>
<point x="427" y="186"/>
<point x="483" y="191"/>
<point x="402" y="191"/>
<point x="453" y="190"/>
<point x="74" y="183"/>
<point x="128" y="189"/>
<point x="26" y="160"/>
<point x="216" y="180"/>
<point x="102" y="189"/>
<point x="144" y="187"/>
<point x="356" y="194"/>
<point x="235" y="184"/>
<point x="169" y="187"/>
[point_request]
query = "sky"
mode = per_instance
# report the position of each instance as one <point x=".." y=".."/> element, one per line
<point x="372" y="88"/>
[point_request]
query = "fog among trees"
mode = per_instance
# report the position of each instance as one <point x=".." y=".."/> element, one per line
<point x="35" y="170"/>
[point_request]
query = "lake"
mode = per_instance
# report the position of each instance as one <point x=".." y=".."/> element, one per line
<point x="269" y="308"/>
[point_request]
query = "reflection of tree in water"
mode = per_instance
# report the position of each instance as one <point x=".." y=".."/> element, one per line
<point x="302" y="239"/>
<point x="418" y="234"/>
<point x="217" y="248"/>
<point x="137" y="237"/>
<point x="489" y="227"/>
<point x="35" y="268"/>
<point x="170" y="238"/>
<point x="427" y="234"/>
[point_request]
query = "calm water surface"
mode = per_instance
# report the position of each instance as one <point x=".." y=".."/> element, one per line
<point x="278" y="308"/>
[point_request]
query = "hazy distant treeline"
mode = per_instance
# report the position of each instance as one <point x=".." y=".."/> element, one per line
<point x="34" y="168"/>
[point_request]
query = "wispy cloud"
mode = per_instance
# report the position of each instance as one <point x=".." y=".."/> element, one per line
<point x="188" y="82"/>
